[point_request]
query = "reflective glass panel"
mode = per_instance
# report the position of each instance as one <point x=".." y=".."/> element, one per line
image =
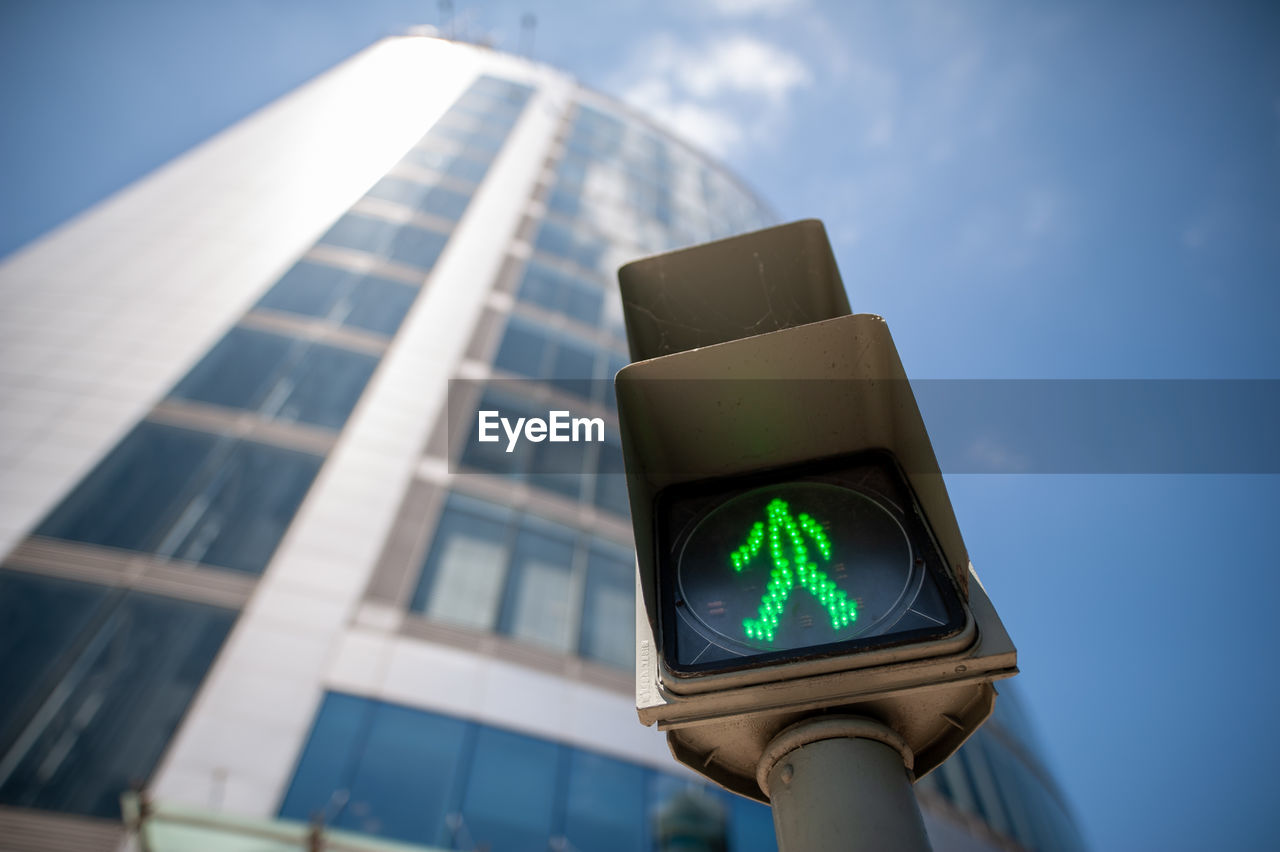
<point x="379" y="305"/>
<point x="611" y="480"/>
<point x="416" y="246"/>
<point x="523" y="350"/>
<point x="541" y="603"/>
<point x="117" y="702"/>
<point x="321" y="783"/>
<point x="310" y="289"/>
<point x="604" y="805"/>
<point x="322" y="387"/>
<point x="280" y="377"/>
<point x="42" y="616"/>
<point x="511" y="791"/>
<point x="134" y="495"/>
<point x="449" y="160"/>
<point x="402" y="782"/>
<point x="244" y="507"/>
<point x="241" y="370"/>
<point x="463" y="576"/>
<point x="609" y="609"/>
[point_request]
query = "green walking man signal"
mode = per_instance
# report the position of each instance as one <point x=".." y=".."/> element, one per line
<point x="785" y="532"/>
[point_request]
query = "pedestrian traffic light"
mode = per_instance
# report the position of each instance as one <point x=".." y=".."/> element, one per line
<point x="821" y="560"/>
<point x="796" y="548"/>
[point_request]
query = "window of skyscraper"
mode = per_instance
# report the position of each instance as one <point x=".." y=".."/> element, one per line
<point x="552" y="586"/>
<point x="448" y="159"/>
<point x="435" y="200"/>
<point x="604" y="803"/>
<point x="378" y="768"/>
<point x="575" y="245"/>
<point x="589" y="472"/>
<point x="463" y="577"/>
<point x="609" y="607"/>
<point x="409" y="244"/>
<point x="280" y="377"/>
<point x="420" y="777"/>
<point x="188" y="495"/>
<point x="540" y="586"/>
<point x="572" y="364"/>
<point x="117" y="672"/>
<point x="562" y="293"/>
<point x="509" y="799"/>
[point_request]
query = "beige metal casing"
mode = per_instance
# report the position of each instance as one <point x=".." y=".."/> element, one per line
<point x="728" y="400"/>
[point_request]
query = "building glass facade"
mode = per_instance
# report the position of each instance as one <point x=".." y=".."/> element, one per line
<point x="291" y="590"/>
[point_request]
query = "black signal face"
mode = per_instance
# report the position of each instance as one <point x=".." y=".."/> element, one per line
<point x="766" y="569"/>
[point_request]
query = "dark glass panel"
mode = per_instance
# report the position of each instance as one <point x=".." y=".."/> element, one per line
<point x="467" y="137"/>
<point x="447" y="159"/>
<point x="403" y="780"/>
<point x="444" y="203"/>
<point x="563" y="293"/>
<point x="105" y="725"/>
<point x="609" y="609"/>
<point x="322" y="780"/>
<point x="586" y="250"/>
<point x="540" y="286"/>
<point x="510" y="791"/>
<point x="361" y="232"/>
<point x="573" y="366"/>
<point x="582" y="302"/>
<point x="572" y="171"/>
<point x="379" y="305"/>
<point x="499" y="90"/>
<point x="240" y="370"/>
<point x="399" y="190"/>
<point x="417" y="246"/>
<point x="463" y="575"/>
<point x="751" y="827"/>
<point x="540" y="607"/>
<point x="244" y="508"/>
<point x="492" y="456"/>
<point x="611" y="481"/>
<point x="557" y="466"/>
<point x="523" y="350"/>
<point x="604" y="807"/>
<point x="310" y="289"/>
<point x="42" y="616"/>
<point x="497" y="113"/>
<point x="324" y="385"/>
<point x="684" y="814"/>
<point x="564" y="202"/>
<point x="476" y="121"/>
<point x="281" y="377"/>
<point x="137" y="492"/>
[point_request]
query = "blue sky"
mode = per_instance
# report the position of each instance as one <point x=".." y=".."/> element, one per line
<point x="1023" y="190"/>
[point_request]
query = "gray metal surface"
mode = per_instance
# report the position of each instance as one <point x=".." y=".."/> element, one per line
<point x="844" y="793"/>
<point x="725" y="290"/>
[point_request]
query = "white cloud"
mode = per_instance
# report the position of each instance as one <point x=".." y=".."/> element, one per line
<point x="744" y="64"/>
<point x="721" y="94"/>
<point x="714" y="130"/>
<point x="747" y="8"/>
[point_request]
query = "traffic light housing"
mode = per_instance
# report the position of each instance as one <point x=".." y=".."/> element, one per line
<point x="797" y="552"/>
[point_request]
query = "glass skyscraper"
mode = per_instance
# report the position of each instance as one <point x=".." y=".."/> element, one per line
<point x="254" y="573"/>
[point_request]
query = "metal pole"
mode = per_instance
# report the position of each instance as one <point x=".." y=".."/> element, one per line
<point x="842" y="783"/>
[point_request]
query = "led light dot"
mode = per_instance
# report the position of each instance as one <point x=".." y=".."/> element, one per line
<point x="782" y="580"/>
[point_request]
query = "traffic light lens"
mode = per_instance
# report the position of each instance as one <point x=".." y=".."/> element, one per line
<point x="796" y="565"/>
